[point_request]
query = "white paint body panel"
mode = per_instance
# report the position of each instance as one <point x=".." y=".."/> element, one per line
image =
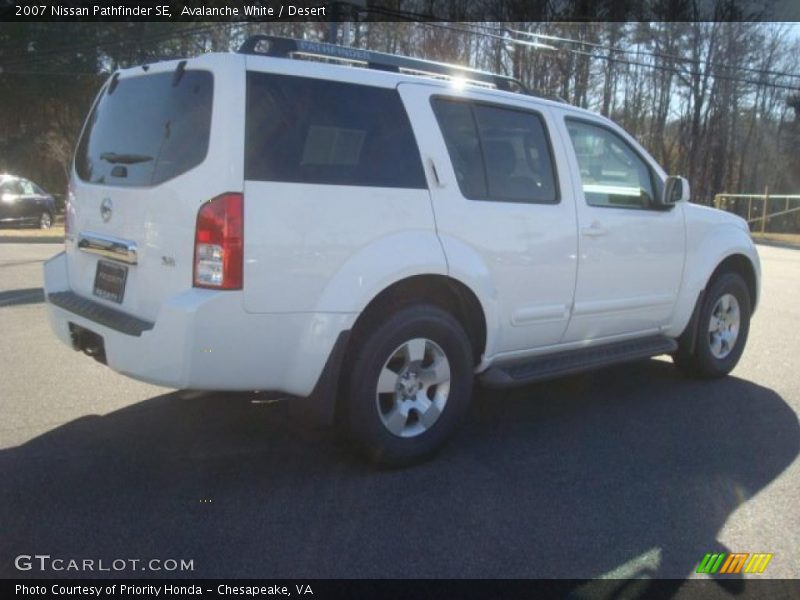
<point x="528" y="250"/>
<point x="161" y="218"/>
<point x="326" y="247"/>
<point x="317" y="255"/>
<point x="630" y="274"/>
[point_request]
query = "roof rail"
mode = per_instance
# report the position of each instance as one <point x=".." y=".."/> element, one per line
<point x="281" y="47"/>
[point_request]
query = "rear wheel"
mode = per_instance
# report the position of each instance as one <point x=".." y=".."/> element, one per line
<point x="45" y="220"/>
<point x="723" y="325"/>
<point x="409" y="385"/>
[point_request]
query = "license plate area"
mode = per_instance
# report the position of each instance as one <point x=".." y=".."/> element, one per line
<point x="109" y="281"/>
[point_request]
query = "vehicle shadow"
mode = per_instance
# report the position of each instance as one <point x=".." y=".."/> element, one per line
<point x="22" y="296"/>
<point x="631" y="471"/>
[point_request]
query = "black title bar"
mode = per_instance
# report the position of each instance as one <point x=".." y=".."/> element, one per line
<point x="396" y="589"/>
<point x="392" y="10"/>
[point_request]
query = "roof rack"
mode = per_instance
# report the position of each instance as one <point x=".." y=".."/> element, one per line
<point x="281" y="47"/>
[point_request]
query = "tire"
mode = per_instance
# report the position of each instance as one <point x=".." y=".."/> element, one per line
<point x="45" y="220"/>
<point x="421" y="358"/>
<point x="722" y="329"/>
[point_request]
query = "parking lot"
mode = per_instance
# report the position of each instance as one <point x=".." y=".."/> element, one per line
<point x="631" y="471"/>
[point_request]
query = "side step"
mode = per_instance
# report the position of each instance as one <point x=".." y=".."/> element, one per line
<point x="539" y="368"/>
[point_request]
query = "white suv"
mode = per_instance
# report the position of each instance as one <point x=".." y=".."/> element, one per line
<point x="368" y="240"/>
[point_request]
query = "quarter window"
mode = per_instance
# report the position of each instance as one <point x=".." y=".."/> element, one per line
<point x="316" y="131"/>
<point x="497" y="153"/>
<point x="612" y="173"/>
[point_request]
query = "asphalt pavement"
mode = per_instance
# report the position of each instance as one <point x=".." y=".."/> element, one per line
<point x="631" y="471"/>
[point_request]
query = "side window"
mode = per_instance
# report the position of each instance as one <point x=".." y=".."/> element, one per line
<point x="27" y="187"/>
<point x="497" y="153"/>
<point x="316" y="131"/>
<point x="612" y="173"/>
<point x="517" y="156"/>
<point x="11" y="187"/>
<point x="461" y="136"/>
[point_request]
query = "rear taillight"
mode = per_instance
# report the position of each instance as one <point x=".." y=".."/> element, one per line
<point x="218" y="243"/>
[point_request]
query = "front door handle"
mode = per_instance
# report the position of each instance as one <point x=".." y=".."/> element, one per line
<point x="594" y="230"/>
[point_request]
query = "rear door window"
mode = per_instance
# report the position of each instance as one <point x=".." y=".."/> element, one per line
<point x="501" y="154"/>
<point x="316" y="131"/>
<point x="463" y="144"/>
<point x="147" y="129"/>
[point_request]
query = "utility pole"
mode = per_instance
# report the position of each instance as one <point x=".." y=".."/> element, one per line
<point x="348" y="11"/>
<point x="346" y="33"/>
<point x="333" y="24"/>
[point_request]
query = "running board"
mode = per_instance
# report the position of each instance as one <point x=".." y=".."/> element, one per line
<point x="539" y="368"/>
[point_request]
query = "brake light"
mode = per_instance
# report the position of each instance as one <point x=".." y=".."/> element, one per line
<point x="218" y="243"/>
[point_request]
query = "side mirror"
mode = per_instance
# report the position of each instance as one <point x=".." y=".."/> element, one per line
<point x="676" y="189"/>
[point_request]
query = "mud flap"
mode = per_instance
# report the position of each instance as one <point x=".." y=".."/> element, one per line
<point x="319" y="408"/>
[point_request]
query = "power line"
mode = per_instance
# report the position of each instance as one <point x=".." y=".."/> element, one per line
<point x="684" y="59"/>
<point x="422" y="18"/>
<point x="29" y="59"/>
<point x="56" y="73"/>
<point x="60" y="50"/>
<point x="418" y="18"/>
<point x="794" y="88"/>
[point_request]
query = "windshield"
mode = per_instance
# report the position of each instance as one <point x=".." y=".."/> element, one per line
<point x="147" y="129"/>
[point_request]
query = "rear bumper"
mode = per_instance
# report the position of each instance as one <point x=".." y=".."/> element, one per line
<point x="202" y="339"/>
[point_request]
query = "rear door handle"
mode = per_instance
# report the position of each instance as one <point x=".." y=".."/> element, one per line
<point x="436" y="175"/>
<point x="594" y="230"/>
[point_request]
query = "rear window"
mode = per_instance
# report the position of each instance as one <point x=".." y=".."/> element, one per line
<point x="315" y="131"/>
<point x="148" y="130"/>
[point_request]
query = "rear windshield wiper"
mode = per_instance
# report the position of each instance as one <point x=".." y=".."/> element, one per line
<point x="125" y="159"/>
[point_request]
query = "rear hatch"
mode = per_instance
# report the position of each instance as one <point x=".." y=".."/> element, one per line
<point x="161" y="141"/>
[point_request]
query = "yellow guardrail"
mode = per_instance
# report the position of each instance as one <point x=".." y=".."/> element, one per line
<point x="788" y="204"/>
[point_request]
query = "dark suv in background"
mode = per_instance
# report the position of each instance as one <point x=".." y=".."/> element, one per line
<point x="22" y="202"/>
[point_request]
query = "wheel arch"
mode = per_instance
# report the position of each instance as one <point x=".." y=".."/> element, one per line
<point x="732" y="263"/>
<point x="711" y="249"/>
<point x="443" y="291"/>
<point x="742" y="265"/>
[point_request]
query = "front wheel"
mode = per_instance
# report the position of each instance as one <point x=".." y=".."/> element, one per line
<point x="409" y="386"/>
<point x="723" y="325"/>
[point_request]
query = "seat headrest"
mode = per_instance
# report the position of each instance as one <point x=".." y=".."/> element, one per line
<point x="500" y="157"/>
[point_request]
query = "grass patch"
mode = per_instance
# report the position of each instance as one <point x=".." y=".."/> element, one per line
<point x="54" y="235"/>
<point x="789" y="239"/>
